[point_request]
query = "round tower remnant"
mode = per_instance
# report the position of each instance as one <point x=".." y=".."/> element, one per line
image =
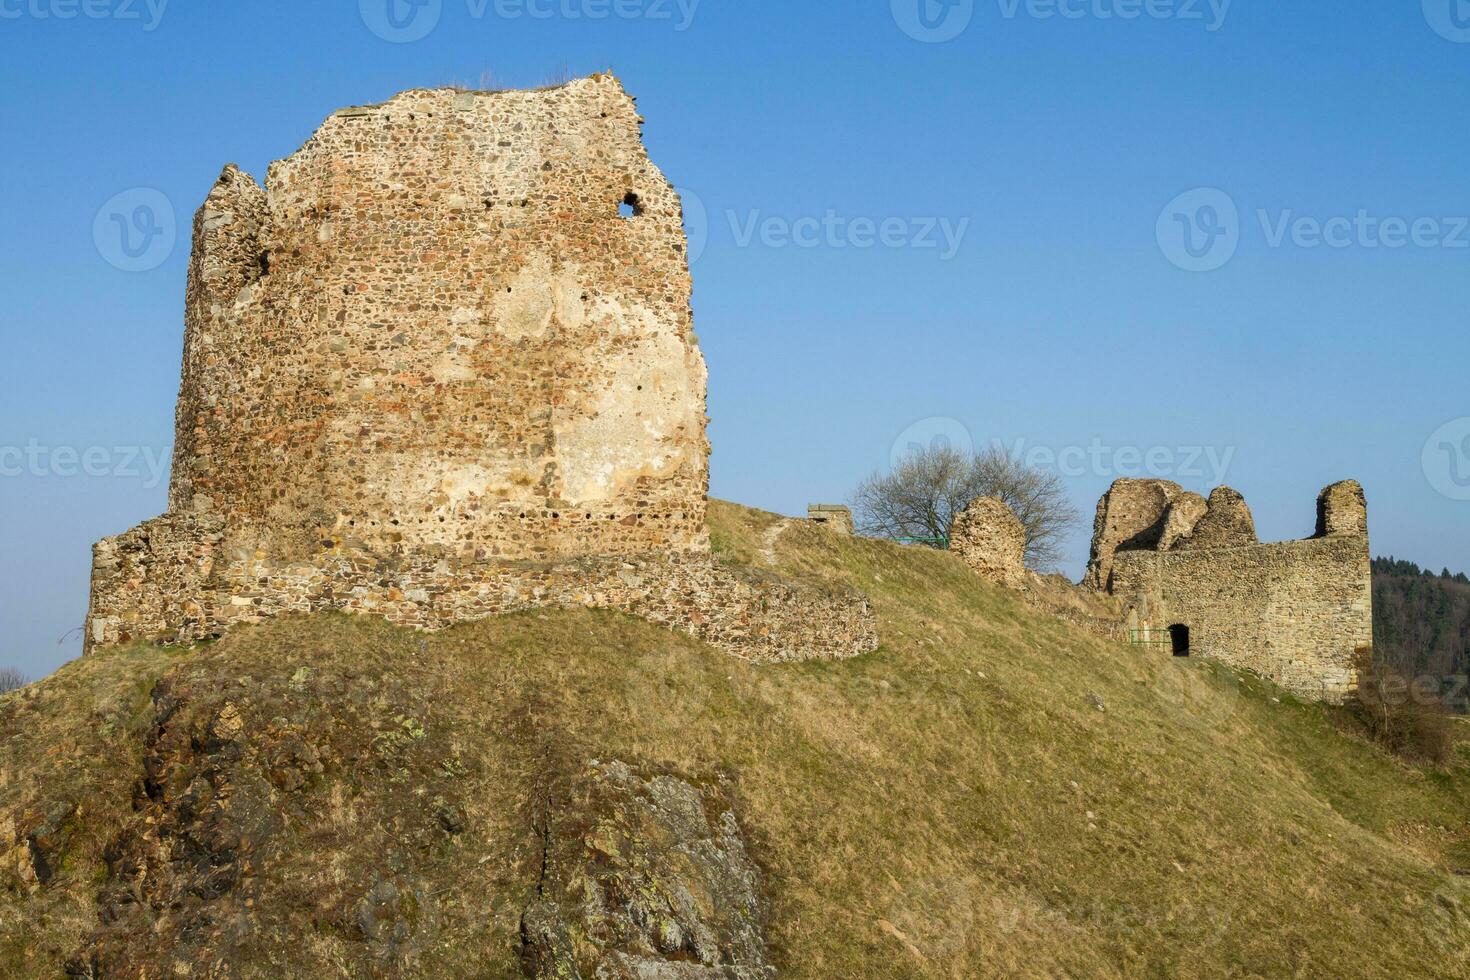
<point x="991" y="540"/>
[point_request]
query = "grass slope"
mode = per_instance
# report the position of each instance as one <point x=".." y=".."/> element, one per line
<point x="992" y="793"/>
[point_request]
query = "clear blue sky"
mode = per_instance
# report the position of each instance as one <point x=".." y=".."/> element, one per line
<point x="1054" y="143"/>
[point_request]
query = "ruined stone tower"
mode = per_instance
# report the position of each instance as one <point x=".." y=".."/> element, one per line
<point x="433" y="330"/>
<point x="442" y="366"/>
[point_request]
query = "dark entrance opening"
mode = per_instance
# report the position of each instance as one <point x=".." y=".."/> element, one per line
<point x="1179" y="635"/>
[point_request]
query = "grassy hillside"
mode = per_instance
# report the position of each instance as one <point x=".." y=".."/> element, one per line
<point x="992" y="793"/>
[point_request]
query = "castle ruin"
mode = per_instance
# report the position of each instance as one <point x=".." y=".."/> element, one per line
<point x="1193" y="577"/>
<point x="441" y="366"/>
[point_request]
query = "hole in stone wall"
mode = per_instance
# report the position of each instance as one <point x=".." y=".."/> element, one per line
<point x="1179" y="639"/>
<point x="631" y="207"/>
<point x="265" y="263"/>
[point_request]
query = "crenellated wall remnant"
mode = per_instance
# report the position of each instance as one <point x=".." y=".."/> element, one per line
<point x="1132" y="514"/>
<point x="442" y="365"/>
<point x="1294" y="611"/>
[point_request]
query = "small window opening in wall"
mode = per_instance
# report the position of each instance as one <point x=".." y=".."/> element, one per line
<point x="265" y="263"/>
<point x="631" y="207"/>
<point x="1179" y="638"/>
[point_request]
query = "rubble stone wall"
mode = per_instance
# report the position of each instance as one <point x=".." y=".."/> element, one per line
<point x="1132" y="514"/>
<point x="991" y="540"/>
<point x="1295" y="611"/>
<point x="167" y="582"/>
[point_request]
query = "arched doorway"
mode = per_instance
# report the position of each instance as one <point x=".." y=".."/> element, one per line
<point x="1179" y="637"/>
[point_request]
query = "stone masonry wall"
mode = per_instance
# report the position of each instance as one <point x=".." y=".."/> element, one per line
<point x="1131" y="514"/>
<point x="1226" y="523"/>
<point x="836" y="517"/>
<point x="991" y="540"/>
<point x="167" y="582"/>
<point x="1294" y="611"/>
<point x="1342" y="509"/>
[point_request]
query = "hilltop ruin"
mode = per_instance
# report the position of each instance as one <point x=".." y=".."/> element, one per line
<point x="1188" y="576"/>
<point x="1194" y="579"/>
<point x="442" y="365"/>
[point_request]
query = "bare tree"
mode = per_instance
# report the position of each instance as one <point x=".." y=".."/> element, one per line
<point x="931" y="486"/>
<point x="11" y="679"/>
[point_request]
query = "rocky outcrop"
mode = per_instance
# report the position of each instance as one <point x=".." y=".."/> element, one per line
<point x="645" y="877"/>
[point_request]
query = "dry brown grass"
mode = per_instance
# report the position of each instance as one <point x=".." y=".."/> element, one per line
<point x="954" y="805"/>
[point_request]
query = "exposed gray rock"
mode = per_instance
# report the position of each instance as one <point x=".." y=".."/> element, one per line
<point x="646" y="877"/>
